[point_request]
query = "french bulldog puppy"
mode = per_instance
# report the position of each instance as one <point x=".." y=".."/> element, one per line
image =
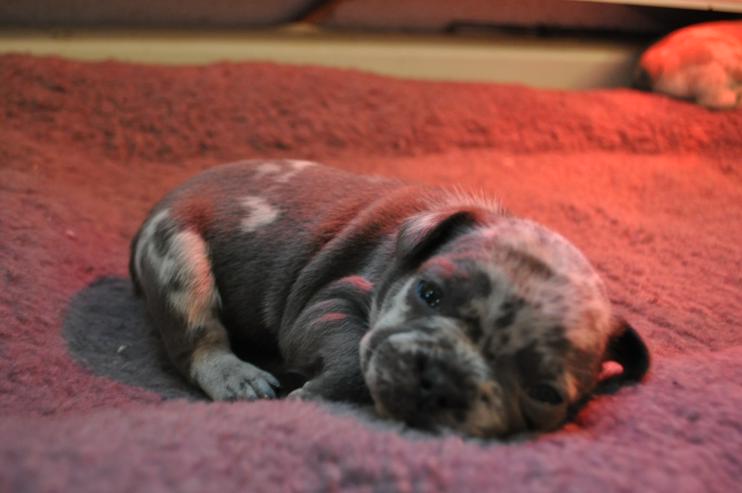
<point x="702" y="63"/>
<point x="437" y="306"/>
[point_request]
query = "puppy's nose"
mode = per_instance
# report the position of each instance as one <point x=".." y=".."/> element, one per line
<point x="439" y="388"/>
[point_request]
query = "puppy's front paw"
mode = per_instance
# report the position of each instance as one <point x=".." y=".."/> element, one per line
<point x="227" y="378"/>
<point x="301" y="394"/>
<point x="310" y="391"/>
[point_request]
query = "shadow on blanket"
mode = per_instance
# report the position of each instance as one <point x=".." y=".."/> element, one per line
<point x="107" y="331"/>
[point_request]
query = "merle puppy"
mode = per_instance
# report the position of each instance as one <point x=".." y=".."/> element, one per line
<point x="440" y="308"/>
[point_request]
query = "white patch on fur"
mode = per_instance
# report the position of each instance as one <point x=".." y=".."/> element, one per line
<point x="395" y="311"/>
<point x="405" y="342"/>
<point x="145" y="239"/>
<point x="295" y="167"/>
<point x="265" y="169"/>
<point x="259" y="213"/>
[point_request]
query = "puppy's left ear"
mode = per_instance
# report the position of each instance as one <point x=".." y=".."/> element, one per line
<point x="423" y="234"/>
<point x="627" y="348"/>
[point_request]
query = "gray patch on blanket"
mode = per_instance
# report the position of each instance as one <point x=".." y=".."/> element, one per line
<point x="107" y="331"/>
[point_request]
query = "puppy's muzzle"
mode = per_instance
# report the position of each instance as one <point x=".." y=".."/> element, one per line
<point x="417" y="377"/>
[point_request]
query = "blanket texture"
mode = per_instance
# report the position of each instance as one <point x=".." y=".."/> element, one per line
<point x="649" y="188"/>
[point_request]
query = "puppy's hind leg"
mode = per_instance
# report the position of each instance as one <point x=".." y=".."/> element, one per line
<point x="174" y="273"/>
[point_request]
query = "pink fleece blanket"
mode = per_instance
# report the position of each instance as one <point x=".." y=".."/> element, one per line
<point x="649" y="188"/>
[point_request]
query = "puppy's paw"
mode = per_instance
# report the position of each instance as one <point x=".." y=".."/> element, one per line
<point x="227" y="378"/>
<point x="303" y="394"/>
<point x="299" y="394"/>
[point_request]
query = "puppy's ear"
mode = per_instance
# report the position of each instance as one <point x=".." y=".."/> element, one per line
<point x="420" y="236"/>
<point x="626" y="348"/>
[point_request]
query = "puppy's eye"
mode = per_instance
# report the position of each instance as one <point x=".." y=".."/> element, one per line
<point x="545" y="393"/>
<point x="429" y="293"/>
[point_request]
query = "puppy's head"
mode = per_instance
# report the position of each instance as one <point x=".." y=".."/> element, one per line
<point x="490" y="325"/>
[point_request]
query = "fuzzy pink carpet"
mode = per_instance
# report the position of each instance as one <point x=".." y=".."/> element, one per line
<point x="649" y="188"/>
